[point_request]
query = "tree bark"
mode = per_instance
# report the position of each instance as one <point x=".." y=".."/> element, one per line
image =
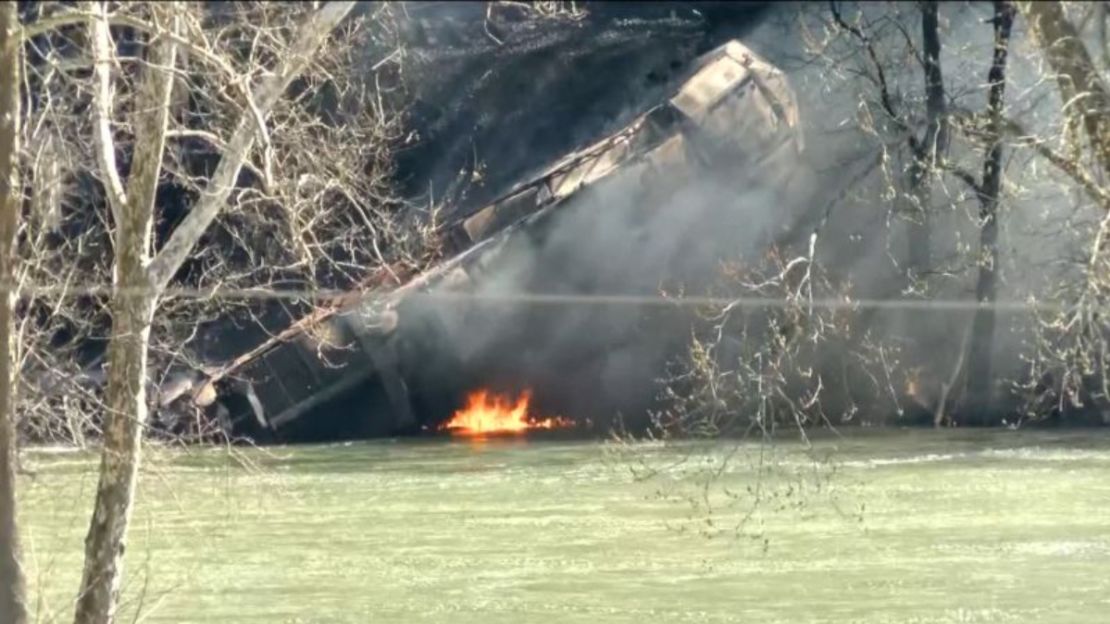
<point x="13" y="593"/>
<point x="1083" y="90"/>
<point x="100" y="38"/>
<point x="925" y="153"/>
<point x="140" y="280"/>
<point x="127" y="413"/>
<point x="133" y="302"/>
<point x="936" y="140"/>
<point x="980" y="376"/>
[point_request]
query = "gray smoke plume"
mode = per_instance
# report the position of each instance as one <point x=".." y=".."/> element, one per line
<point x="596" y="359"/>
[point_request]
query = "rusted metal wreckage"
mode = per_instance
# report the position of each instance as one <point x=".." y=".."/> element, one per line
<point x="732" y="110"/>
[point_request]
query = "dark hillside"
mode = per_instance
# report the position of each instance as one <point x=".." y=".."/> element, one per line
<point x="499" y="95"/>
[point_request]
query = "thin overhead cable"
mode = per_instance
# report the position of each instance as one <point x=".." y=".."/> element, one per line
<point x="530" y="299"/>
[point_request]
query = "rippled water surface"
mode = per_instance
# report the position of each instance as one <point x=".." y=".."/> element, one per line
<point x="907" y="527"/>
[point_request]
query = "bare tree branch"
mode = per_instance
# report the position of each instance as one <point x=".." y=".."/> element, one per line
<point x="103" y="54"/>
<point x="310" y="38"/>
<point x="1084" y="91"/>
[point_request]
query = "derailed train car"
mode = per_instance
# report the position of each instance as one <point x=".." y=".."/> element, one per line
<point x="731" y="112"/>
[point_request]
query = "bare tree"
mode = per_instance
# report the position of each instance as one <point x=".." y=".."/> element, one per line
<point x="295" y="218"/>
<point x="1083" y="90"/>
<point x="932" y="146"/>
<point x="970" y="154"/>
<point x="939" y="177"/>
<point x="980" y="377"/>
<point x="141" y="278"/>
<point x="133" y="302"/>
<point x="230" y="109"/>
<point x="924" y="151"/>
<point x="1070" y="367"/>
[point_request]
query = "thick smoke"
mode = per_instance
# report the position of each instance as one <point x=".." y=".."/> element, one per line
<point x="516" y="106"/>
<point x="594" y="358"/>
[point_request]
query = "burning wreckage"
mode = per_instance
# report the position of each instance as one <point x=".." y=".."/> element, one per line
<point x="732" y="111"/>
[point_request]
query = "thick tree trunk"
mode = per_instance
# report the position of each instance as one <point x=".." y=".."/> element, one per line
<point x="980" y="376"/>
<point x="13" y="599"/>
<point x="127" y="414"/>
<point x="140" y="280"/>
<point x="926" y="152"/>
<point x="133" y="303"/>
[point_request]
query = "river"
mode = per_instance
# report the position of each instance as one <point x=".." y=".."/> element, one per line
<point x="896" y="527"/>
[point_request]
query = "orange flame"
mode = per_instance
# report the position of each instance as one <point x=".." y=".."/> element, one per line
<point x="487" y="413"/>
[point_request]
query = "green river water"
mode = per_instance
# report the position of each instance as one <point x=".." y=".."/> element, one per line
<point x="896" y="527"/>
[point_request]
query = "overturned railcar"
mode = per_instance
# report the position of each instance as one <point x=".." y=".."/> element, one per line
<point x="732" y="111"/>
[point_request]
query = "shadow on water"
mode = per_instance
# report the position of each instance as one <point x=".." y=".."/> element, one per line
<point x="433" y="452"/>
<point x="442" y="453"/>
